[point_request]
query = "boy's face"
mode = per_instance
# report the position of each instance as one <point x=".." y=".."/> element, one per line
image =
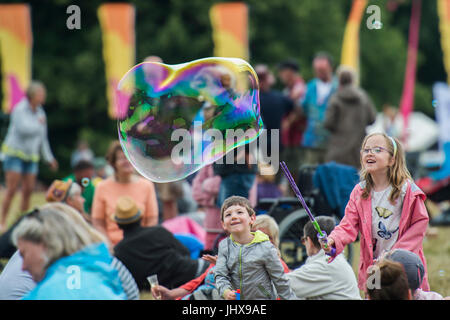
<point x="236" y="219"/>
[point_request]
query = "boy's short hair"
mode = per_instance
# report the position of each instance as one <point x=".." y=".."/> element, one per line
<point x="236" y="200"/>
<point x="393" y="282"/>
<point x="326" y="224"/>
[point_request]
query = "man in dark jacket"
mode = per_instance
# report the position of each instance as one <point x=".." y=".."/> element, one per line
<point x="152" y="250"/>
<point x="348" y="114"/>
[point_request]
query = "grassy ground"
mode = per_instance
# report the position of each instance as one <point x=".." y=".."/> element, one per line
<point x="437" y="254"/>
<point x="437" y="250"/>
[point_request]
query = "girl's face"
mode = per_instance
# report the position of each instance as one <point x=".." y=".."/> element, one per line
<point x="122" y="165"/>
<point x="375" y="155"/>
<point x="237" y="220"/>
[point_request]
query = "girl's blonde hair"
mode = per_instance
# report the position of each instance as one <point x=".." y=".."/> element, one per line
<point x="60" y="228"/>
<point x="397" y="173"/>
<point x="267" y="222"/>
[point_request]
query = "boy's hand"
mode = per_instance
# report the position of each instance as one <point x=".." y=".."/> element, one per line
<point x="229" y="295"/>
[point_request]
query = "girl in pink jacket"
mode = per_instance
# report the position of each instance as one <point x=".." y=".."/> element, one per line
<point x="386" y="207"/>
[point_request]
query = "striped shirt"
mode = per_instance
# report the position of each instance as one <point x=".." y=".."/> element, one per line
<point x="128" y="283"/>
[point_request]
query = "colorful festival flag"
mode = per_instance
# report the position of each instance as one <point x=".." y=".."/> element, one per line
<point x="230" y="30"/>
<point x="350" y="45"/>
<point x="443" y="8"/>
<point x="117" y="23"/>
<point x="407" y="101"/>
<point x="15" y="52"/>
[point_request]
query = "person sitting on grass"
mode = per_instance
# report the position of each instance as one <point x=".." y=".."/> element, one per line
<point x="247" y="260"/>
<point x="152" y="250"/>
<point x="15" y="283"/>
<point x="318" y="279"/>
<point x="390" y="282"/>
<point x="415" y="272"/>
<point x="83" y="173"/>
<point x="59" y="191"/>
<point x="55" y="239"/>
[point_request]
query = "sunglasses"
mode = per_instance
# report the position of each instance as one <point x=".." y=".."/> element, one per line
<point x="303" y="239"/>
<point x="36" y="214"/>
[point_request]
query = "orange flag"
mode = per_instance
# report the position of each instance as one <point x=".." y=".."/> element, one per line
<point x="350" y="45"/>
<point x="230" y="30"/>
<point x="15" y="52"/>
<point x="117" y="24"/>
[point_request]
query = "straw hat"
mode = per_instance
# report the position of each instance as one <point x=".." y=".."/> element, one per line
<point x="126" y="211"/>
<point x="58" y="191"/>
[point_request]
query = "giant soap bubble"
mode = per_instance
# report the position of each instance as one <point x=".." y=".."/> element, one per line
<point x="175" y="119"/>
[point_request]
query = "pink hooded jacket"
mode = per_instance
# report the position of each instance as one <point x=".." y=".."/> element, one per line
<point x="358" y="218"/>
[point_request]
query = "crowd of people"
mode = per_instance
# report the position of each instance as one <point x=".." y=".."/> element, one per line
<point x="106" y="228"/>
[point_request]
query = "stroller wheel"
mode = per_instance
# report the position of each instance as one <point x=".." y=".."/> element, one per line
<point x="293" y="252"/>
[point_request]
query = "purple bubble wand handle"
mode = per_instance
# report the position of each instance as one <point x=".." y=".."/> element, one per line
<point x="323" y="239"/>
<point x="297" y="192"/>
<point x="322" y="236"/>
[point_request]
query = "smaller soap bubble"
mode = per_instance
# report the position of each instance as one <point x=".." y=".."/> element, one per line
<point x="85" y="182"/>
<point x="434" y="103"/>
<point x="441" y="273"/>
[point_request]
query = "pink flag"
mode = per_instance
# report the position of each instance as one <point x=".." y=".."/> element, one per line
<point x="407" y="102"/>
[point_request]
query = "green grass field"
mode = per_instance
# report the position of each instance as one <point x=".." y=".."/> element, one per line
<point x="437" y="250"/>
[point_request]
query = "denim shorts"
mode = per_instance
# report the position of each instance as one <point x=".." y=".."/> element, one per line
<point x="11" y="163"/>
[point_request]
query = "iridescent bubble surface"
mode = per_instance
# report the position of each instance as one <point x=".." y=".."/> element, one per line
<point x="175" y="119"/>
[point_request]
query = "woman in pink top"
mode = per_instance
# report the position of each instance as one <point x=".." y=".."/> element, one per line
<point x="386" y="207"/>
<point x="123" y="182"/>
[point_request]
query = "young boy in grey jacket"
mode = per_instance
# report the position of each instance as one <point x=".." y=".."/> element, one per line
<point x="247" y="260"/>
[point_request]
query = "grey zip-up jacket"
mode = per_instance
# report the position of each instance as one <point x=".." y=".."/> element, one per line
<point x="254" y="268"/>
<point x="27" y="134"/>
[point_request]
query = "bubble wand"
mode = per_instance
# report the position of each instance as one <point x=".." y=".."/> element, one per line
<point x="321" y="235"/>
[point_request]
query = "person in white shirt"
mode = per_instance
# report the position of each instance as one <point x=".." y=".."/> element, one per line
<point x="318" y="279"/>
